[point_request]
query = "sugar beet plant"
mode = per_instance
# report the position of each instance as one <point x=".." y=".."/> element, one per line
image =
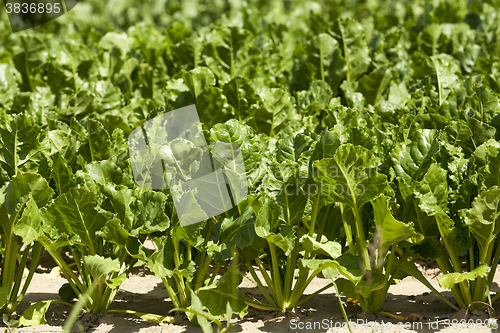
<point x="369" y="133"/>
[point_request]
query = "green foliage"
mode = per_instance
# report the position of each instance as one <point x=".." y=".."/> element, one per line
<point x="369" y="132"/>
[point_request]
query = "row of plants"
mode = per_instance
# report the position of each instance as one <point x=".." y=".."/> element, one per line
<point x="369" y="134"/>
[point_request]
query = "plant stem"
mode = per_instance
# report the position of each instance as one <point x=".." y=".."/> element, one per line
<point x="36" y="253"/>
<point x="458" y="268"/>
<point x="276" y="275"/>
<point x="342" y="306"/>
<point x="19" y="277"/>
<point x="305" y="299"/>
<point x="314" y="215"/>
<point x="290" y="269"/>
<point x="163" y="319"/>
<point x="171" y="292"/>
<point x="299" y="288"/>
<point x="79" y="267"/>
<point x="263" y="271"/>
<point x="494" y="265"/>
<point x="348" y="232"/>
<point x="202" y="270"/>
<point x="258" y="305"/>
<point x="73" y="280"/>
<point x="214" y="274"/>
<point x="260" y="285"/>
<point x="182" y="290"/>
<point x="454" y="290"/>
<point x="361" y="238"/>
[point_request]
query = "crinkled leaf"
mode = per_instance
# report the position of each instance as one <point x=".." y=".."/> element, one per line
<point x="216" y="296"/>
<point x="390" y="231"/>
<point x="432" y="191"/>
<point x="62" y="174"/>
<point x="34" y="315"/>
<point x="483" y="218"/>
<point x="350" y="176"/>
<point x="447" y="281"/>
<point x="99" y="267"/>
<point x="74" y="213"/>
<point x="241" y="95"/>
<point x="273" y="114"/>
<point x="21" y="144"/>
<point x="325" y="247"/>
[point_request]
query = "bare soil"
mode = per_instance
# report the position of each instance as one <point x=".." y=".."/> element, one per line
<point x="145" y="293"/>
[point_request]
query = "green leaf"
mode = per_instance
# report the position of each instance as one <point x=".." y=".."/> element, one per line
<point x="119" y="40"/>
<point x="120" y="201"/>
<point x="34" y="315"/>
<point x="29" y="226"/>
<point x="114" y="232"/>
<point x="225" y="291"/>
<point x="117" y="281"/>
<point x="273" y="114"/>
<point x="268" y="218"/>
<point x="373" y="85"/>
<point x="320" y="51"/>
<point x="74" y="213"/>
<point x="431" y="40"/>
<point x="211" y="103"/>
<point x="268" y="226"/>
<point x="447" y="281"/>
<point x="4" y="294"/>
<point x="99" y="267"/>
<point x="315" y="98"/>
<point x="154" y="318"/>
<point x="22" y="144"/>
<point x="483" y="218"/>
<point x="241" y="95"/>
<point x="398" y="94"/>
<point x="141" y="211"/>
<point x="354" y="99"/>
<point x="488" y="160"/>
<point x="240" y="233"/>
<point x="17" y="192"/>
<point x="432" y="191"/>
<point x="346" y="265"/>
<point x="197" y="306"/>
<point x="293" y="202"/>
<point x="161" y="262"/>
<point x="350" y="176"/>
<point x="104" y="172"/>
<point x="347" y="287"/>
<point x="411" y="160"/>
<point x="8" y="85"/>
<point x="444" y="73"/>
<point x="486" y="106"/>
<point x="325" y="247"/>
<point x="67" y="293"/>
<point x="457" y="133"/>
<point x="231" y="53"/>
<point x="355" y="51"/>
<point x="326" y="146"/>
<point x="232" y="132"/>
<point x="198" y="80"/>
<point x="62" y="174"/>
<point x="98" y="145"/>
<point x="390" y="231"/>
<point x="20" y="201"/>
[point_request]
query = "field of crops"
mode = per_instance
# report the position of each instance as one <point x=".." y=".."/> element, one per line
<point x="344" y="149"/>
